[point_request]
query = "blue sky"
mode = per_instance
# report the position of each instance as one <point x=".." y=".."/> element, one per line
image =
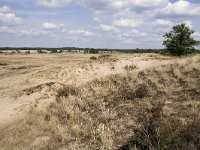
<point x="94" y="23"/>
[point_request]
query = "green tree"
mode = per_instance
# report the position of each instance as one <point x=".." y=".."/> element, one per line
<point x="93" y="51"/>
<point x="179" y="41"/>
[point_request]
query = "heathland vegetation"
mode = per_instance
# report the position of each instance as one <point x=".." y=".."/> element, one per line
<point x="121" y="101"/>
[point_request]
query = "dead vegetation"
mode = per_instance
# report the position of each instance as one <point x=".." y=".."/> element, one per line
<point x="3" y="64"/>
<point x="93" y="58"/>
<point x="38" y="88"/>
<point x="130" y="67"/>
<point x="104" y="58"/>
<point x="24" y="67"/>
<point x="66" y="90"/>
<point x="156" y="108"/>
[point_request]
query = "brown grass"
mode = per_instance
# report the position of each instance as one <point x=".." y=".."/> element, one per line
<point x="107" y="57"/>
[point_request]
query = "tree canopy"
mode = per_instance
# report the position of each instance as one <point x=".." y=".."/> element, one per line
<point x="179" y="41"/>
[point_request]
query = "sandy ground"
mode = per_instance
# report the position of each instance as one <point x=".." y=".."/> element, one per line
<point x="19" y="73"/>
<point x="27" y="80"/>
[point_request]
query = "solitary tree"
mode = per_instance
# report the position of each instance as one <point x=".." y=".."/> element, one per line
<point x="179" y="41"/>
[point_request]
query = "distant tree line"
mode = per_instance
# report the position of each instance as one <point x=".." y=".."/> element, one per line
<point x="86" y="50"/>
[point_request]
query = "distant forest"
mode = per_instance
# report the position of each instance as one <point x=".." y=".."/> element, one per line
<point x="89" y="50"/>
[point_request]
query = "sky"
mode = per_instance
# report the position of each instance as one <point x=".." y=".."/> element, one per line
<point x="94" y="23"/>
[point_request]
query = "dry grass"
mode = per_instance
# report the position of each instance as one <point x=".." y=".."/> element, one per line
<point x="107" y="57"/>
<point x="104" y="58"/>
<point x="152" y="108"/>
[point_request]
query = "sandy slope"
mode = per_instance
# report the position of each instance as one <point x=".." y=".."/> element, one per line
<point x="28" y="80"/>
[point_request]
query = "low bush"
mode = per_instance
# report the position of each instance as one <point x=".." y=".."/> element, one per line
<point x="178" y="135"/>
<point x="130" y="67"/>
<point x="40" y="51"/>
<point x="66" y="91"/>
<point x="141" y="91"/>
<point x="93" y="58"/>
<point x="107" y="57"/>
<point x="28" y="52"/>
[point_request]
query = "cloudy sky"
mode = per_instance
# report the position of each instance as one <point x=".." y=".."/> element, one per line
<point x="94" y="23"/>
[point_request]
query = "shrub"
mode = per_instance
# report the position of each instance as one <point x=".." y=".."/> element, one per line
<point x="66" y="91"/>
<point x="176" y="135"/>
<point x="54" y="51"/>
<point x="141" y="91"/>
<point x="107" y="57"/>
<point x="28" y="52"/>
<point x="40" y="51"/>
<point x="147" y="135"/>
<point x="93" y="58"/>
<point x="104" y="56"/>
<point x="127" y="92"/>
<point x="93" y="51"/>
<point x="130" y="67"/>
<point x="3" y="64"/>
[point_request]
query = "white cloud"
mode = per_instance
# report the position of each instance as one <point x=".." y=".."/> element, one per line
<point x="4" y="9"/>
<point x="146" y="3"/>
<point x="6" y="29"/>
<point x="109" y="28"/>
<point x="118" y="4"/>
<point x="196" y="35"/>
<point x="180" y="8"/>
<point x="97" y="19"/>
<point x="189" y="23"/>
<point x="163" y="23"/>
<point x="10" y="18"/>
<point x="134" y="33"/>
<point x="128" y="41"/>
<point x="127" y="22"/>
<point x="24" y="32"/>
<point x="132" y="36"/>
<point x="53" y="3"/>
<point x="49" y="26"/>
<point x="121" y="4"/>
<point x="81" y="33"/>
<point x="112" y="9"/>
<point x="32" y="32"/>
